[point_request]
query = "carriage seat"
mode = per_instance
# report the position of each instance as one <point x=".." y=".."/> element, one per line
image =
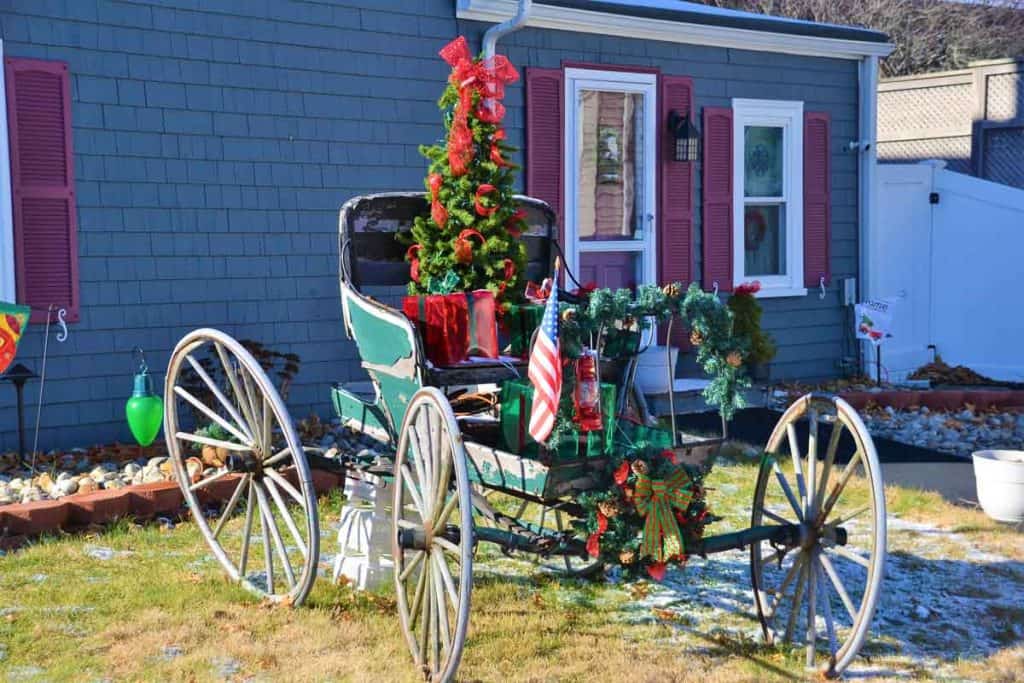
<point x="372" y="265"/>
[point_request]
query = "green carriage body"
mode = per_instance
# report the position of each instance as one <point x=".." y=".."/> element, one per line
<point x="391" y="348"/>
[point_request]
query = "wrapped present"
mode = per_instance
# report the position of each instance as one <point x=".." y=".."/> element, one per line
<point x="443" y="322"/>
<point x="521" y="321"/>
<point x="483" y="326"/>
<point x="516" y="402"/>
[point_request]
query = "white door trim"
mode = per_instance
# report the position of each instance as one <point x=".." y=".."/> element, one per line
<point x="646" y="84"/>
<point x="8" y="291"/>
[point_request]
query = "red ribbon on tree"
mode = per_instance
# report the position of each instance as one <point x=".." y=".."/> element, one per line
<point x="481" y="192"/>
<point x="512" y="224"/>
<point x="463" y="247"/>
<point x="485" y="77"/>
<point x="496" y="150"/>
<point x="414" y="263"/>
<point x="437" y="210"/>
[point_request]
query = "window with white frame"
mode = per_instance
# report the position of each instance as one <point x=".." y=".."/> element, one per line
<point x="768" y="195"/>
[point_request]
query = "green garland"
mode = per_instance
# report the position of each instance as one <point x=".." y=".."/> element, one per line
<point x="612" y="315"/>
<point x="617" y="529"/>
<point x="616" y="526"/>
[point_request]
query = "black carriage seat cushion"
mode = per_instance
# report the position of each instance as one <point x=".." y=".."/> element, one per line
<point x="371" y="255"/>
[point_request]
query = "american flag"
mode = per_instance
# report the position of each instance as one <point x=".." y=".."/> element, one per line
<point x="545" y="371"/>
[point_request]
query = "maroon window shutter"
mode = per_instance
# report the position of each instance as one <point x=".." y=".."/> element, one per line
<point x="675" y="234"/>
<point x="717" y="209"/>
<point x="43" y="185"/>
<point x="675" y="195"/>
<point x="544" y="125"/>
<point x="817" y="191"/>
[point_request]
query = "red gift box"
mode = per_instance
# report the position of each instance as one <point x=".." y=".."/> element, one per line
<point x="443" y="322"/>
<point x="483" y="324"/>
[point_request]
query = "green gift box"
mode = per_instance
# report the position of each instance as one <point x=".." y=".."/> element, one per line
<point x="521" y="320"/>
<point x="516" y="403"/>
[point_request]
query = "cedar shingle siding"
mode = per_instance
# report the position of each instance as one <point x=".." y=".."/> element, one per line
<point x="214" y="146"/>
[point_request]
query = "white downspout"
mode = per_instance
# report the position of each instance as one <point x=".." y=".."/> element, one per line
<point x="506" y="27"/>
<point x="868" y="185"/>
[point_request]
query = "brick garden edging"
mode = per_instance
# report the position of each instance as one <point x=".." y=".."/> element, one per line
<point x="940" y="399"/>
<point x="22" y="521"/>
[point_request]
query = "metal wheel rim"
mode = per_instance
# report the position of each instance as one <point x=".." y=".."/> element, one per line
<point x="446" y="461"/>
<point x="825" y="576"/>
<point x="262" y="494"/>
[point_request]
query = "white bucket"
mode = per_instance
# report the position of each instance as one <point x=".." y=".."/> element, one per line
<point x="652" y="375"/>
<point x="1000" y="479"/>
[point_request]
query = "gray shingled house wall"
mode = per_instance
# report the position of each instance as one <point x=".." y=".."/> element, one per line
<point x="215" y="140"/>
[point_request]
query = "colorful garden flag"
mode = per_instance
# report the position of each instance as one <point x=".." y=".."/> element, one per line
<point x="13" y="319"/>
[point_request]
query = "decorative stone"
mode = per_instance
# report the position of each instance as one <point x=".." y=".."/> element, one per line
<point x="67" y="486"/>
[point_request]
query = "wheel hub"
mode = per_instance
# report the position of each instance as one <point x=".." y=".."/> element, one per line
<point x="247" y="463"/>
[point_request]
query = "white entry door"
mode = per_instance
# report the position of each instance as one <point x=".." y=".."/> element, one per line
<point x="610" y="162"/>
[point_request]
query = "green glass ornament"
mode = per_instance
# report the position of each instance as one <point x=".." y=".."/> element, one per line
<point x="144" y="410"/>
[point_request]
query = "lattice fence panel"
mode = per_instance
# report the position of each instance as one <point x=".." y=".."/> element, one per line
<point x="1005" y="97"/>
<point x="1004" y="161"/>
<point x="902" y="113"/>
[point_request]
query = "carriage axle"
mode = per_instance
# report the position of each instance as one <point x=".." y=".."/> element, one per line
<point x="780" y="535"/>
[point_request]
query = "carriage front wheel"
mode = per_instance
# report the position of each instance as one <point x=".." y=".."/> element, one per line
<point x="227" y="428"/>
<point x="820" y="590"/>
<point x="432" y="535"/>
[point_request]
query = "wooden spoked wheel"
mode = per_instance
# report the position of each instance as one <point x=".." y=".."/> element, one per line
<point x="266" y="535"/>
<point x="821" y="590"/>
<point x="433" y="535"/>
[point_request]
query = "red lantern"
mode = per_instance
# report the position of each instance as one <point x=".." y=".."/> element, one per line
<point x="587" y="396"/>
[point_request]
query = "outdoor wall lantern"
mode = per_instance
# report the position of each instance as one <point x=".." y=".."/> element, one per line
<point x="685" y="136"/>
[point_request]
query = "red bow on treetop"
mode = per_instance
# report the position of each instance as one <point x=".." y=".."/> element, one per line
<point x="485" y="77"/>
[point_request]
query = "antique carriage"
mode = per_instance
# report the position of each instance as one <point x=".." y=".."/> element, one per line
<point x="818" y="543"/>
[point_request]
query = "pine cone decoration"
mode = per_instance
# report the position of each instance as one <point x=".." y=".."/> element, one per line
<point x="696" y="338"/>
<point x="639" y="467"/>
<point x="672" y="290"/>
<point x="608" y="508"/>
<point x="734" y="359"/>
<point x="627" y="557"/>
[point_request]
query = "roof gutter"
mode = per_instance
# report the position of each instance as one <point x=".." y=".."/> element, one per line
<point x="645" y="28"/>
<point x="504" y="28"/>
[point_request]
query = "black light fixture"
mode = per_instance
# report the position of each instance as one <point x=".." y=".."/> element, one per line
<point x="17" y="376"/>
<point x="686" y="137"/>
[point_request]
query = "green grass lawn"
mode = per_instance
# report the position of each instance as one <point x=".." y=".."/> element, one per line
<point x="150" y="603"/>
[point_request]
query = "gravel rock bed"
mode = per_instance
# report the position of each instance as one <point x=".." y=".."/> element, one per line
<point x="959" y="432"/>
<point x="59" y="474"/>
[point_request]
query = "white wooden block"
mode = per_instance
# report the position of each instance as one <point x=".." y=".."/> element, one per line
<point x="364" y="535"/>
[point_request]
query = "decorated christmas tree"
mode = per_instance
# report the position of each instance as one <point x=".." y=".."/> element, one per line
<point x="471" y="238"/>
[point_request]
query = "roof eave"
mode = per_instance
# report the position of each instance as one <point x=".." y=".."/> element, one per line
<point x="644" y="28"/>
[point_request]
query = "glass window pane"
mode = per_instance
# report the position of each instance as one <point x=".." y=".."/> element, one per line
<point x="764" y="240"/>
<point x="614" y="269"/>
<point x="762" y="161"/>
<point x="610" y="165"/>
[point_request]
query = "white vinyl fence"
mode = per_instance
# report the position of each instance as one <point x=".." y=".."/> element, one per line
<point x="949" y="251"/>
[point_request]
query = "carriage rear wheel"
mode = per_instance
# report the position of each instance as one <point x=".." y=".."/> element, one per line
<point x="221" y="411"/>
<point x="822" y="592"/>
<point x="433" y="535"/>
